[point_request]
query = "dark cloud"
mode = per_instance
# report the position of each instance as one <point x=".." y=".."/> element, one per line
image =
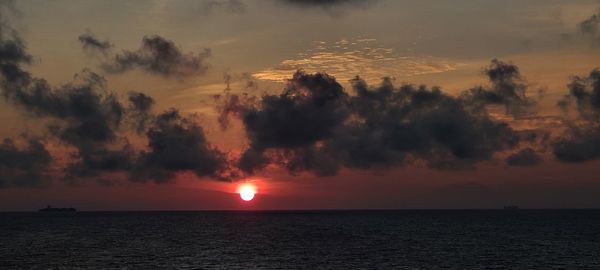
<point x="159" y="56"/>
<point x="89" y="118"/>
<point x="314" y="125"/>
<point x="590" y="28"/>
<point x="86" y="112"/>
<point x="12" y="54"/>
<point x="585" y="93"/>
<point x="332" y="7"/>
<point x="89" y="113"/>
<point x="141" y="102"/>
<point x="397" y="124"/>
<point x="525" y="157"/>
<point x="581" y="142"/>
<point x="24" y="167"/>
<point x="18" y="167"/>
<point x="177" y="144"/>
<point x="83" y="115"/>
<point x="140" y="109"/>
<point x="90" y="42"/>
<point x="308" y="110"/>
<point x="507" y="88"/>
<point x="93" y="161"/>
<point x="228" y="104"/>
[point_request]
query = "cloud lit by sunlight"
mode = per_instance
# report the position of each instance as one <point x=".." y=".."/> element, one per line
<point x="345" y="59"/>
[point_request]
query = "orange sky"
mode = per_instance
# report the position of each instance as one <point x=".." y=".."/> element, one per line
<point x="420" y="42"/>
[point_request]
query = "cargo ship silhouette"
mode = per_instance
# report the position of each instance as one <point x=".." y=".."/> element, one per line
<point x="53" y="209"/>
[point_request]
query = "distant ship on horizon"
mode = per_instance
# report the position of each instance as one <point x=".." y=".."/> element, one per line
<point x="54" y="209"/>
<point x="511" y="207"/>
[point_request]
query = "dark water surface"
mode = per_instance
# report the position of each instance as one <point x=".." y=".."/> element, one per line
<point x="419" y="239"/>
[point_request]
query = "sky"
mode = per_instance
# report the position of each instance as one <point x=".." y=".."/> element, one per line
<point x="319" y="104"/>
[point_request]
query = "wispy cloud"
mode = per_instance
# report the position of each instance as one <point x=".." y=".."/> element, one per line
<point x="345" y="59"/>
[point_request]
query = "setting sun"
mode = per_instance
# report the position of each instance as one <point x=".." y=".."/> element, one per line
<point x="247" y="192"/>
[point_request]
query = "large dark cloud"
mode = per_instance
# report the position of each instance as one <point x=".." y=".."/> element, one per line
<point x="314" y="125"/>
<point x="159" y="56"/>
<point x="429" y="125"/>
<point x="105" y="149"/>
<point x="23" y="167"/>
<point x="581" y="142"/>
<point x="507" y="88"/>
<point x="308" y="110"/>
<point x="177" y="144"/>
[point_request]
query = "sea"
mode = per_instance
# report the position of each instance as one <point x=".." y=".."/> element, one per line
<point x="382" y="239"/>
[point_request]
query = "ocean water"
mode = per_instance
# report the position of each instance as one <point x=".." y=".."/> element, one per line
<point x="406" y="239"/>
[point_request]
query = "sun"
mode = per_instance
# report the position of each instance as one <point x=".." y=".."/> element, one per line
<point x="247" y="192"/>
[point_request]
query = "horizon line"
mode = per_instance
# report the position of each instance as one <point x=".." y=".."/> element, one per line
<point x="318" y="210"/>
